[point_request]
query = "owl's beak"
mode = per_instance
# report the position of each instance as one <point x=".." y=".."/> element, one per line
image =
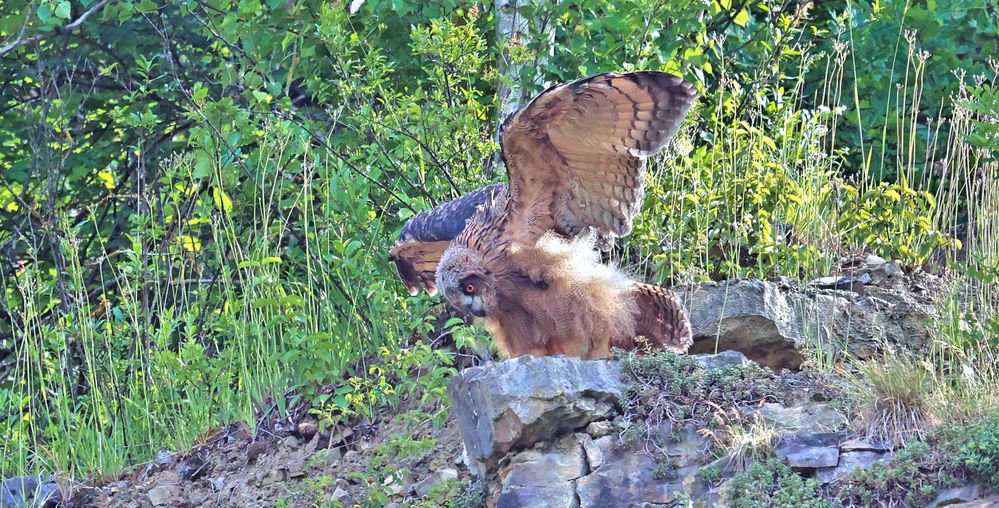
<point x="474" y="305"/>
<point x="477" y="308"/>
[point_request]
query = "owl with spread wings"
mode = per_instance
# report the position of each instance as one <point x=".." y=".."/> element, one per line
<point x="524" y="256"/>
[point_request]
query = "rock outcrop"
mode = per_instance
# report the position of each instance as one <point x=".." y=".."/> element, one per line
<point x="772" y="322"/>
<point x="35" y="491"/>
<point x="548" y="431"/>
<point x="512" y="404"/>
<point x="545" y="428"/>
<point x="554" y="431"/>
<point x="753" y="317"/>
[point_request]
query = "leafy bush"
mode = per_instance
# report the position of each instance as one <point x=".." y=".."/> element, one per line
<point x="455" y="494"/>
<point x="893" y="220"/>
<point x="980" y="452"/>
<point x="197" y="197"/>
<point x="747" y="206"/>
<point x="666" y="391"/>
<point x="772" y="484"/>
<point x="913" y="476"/>
<point x="417" y="370"/>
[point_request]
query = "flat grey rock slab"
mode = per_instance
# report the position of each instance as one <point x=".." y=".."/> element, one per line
<point x="848" y="462"/>
<point x="811" y="417"/>
<point x="721" y="360"/>
<point x="626" y="480"/>
<point x="810" y="451"/>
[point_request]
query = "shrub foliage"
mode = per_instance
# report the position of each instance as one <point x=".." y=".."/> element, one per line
<point x="197" y="196"/>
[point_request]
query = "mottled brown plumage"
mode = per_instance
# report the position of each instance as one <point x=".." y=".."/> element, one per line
<point x="523" y="256"/>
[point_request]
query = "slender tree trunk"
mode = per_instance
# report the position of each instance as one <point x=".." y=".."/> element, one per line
<point x="520" y="78"/>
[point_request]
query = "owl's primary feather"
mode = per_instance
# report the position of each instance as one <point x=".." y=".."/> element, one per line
<point x="525" y="260"/>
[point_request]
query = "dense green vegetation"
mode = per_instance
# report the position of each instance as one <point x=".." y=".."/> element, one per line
<point x="772" y="484"/>
<point x="198" y="196"/>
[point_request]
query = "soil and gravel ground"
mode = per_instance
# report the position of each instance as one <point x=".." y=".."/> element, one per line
<point x="299" y="467"/>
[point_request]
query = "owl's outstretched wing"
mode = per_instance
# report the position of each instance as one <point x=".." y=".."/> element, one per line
<point x="576" y="154"/>
<point x="575" y="157"/>
<point x="426" y="236"/>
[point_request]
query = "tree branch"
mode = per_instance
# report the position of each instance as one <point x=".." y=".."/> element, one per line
<point x="21" y="40"/>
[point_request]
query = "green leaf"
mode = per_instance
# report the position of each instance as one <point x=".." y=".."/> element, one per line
<point x="200" y="92"/>
<point x="63" y="10"/>
<point x="320" y="337"/>
<point x="190" y="243"/>
<point x="107" y="178"/>
<point x="770" y="143"/>
<point x="292" y="300"/>
<point x="44" y="13"/>
<point x="221" y="199"/>
<point x="742" y="18"/>
<point x="202" y="165"/>
<point x="261" y="303"/>
<point x="930" y="200"/>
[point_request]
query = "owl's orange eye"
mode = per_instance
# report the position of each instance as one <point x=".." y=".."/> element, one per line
<point x="469" y="289"/>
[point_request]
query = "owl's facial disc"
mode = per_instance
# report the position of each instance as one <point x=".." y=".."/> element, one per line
<point x="464" y="285"/>
<point x="468" y="294"/>
<point x="471" y="289"/>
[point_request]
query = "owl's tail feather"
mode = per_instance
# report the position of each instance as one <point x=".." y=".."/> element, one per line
<point x="661" y="319"/>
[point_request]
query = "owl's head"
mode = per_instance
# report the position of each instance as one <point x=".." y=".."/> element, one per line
<point x="465" y="284"/>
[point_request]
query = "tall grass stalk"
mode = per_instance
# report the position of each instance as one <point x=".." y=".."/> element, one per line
<point x="246" y="274"/>
<point x="183" y="350"/>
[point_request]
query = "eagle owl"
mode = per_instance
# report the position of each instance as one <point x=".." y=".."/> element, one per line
<point x="523" y="256"/>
